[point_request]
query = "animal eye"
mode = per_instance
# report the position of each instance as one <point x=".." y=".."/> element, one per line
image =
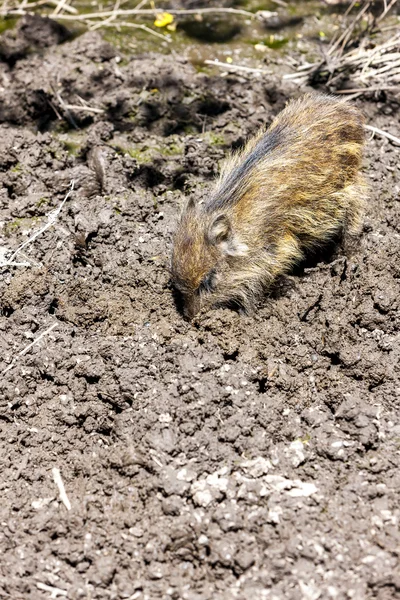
<point x="209" y="282"/>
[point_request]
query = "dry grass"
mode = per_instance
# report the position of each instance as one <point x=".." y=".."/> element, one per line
<point x="354" y="62"/>
<point x="66" y="12"/>
<point x="117" y="17"/>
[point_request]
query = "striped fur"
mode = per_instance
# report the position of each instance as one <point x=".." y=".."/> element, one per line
<point x="292" y="188"/>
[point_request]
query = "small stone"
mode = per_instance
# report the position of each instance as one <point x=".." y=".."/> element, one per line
<point x="102" y="571"/>
<point x="203" y="540"/>
<point x="156" y="570"/>
<point x="256" y="467"/>
<point x="136" y="531"/>
<point x="203" y="498"/>
<point x="297" y="450"/>
<point x="171" y="484"/>
<point x="186" y="474"/>
<point x="244" y="560"/>
<point x="274" y="515"/>
<point x="172" y="506"/>
<point x="165" y="418"/>
<point x="222" y="552"/>
<point x="302" y="489"/>
<point x="41" y="503"/>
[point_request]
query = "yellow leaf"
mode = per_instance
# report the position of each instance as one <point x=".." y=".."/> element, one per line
<point x="172" y="26"/>
<point x="163" y="19"/>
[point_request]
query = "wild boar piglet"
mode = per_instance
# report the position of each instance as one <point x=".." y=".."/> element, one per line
<point x="292" y="188"/>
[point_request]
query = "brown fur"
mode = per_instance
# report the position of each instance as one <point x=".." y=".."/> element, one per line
<point x="292" y="188"/>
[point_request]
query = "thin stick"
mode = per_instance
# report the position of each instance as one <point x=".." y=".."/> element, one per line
<point x="60" y="484"/>
<point x="149" y="12"/>
<point x="377" y="88"/>
<point x="231" y="67"/>
<point x="379" y="67"/>
<point x="52" y="217"/>
<point x="3" y="253"/>
<point x="119" y="24"/>
<point x="28" y="347"/>
<point x="350" y="8"/>
<point x="383" y="15"/>
<point x="348" y="31"/>
<point x="59" y="8"/>
<point x="382" y="133"/>
<point x="140" y="5"/>
<point x="68" y="115"/>
<point x="296" y="75"/>
<point x="59" y="117"/>
<point x="110" y="19"/>
<point x="83" y="108"/>
<point x="54" y="591"/>
<point x="28" y="5"/>
<point x="18" y="264"/>
<point x="25" y="350"/>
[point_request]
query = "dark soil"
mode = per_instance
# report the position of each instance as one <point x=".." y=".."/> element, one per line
<point x="234" y="457"/>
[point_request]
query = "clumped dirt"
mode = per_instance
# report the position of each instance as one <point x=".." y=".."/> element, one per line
<point x="235" y="457"/>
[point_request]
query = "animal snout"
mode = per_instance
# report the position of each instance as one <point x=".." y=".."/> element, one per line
<point x="191" y="306"/>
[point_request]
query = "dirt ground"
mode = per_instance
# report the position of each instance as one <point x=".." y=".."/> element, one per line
<point x="234" y="457"/>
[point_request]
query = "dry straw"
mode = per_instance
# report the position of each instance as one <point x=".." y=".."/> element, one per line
<point x="353" y="57"/>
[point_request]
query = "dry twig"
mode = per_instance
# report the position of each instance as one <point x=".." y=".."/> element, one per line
<point x="53" y="591"/>
<point x="51" y="220"/>
<point x="132" y="12"/>
<point x="59" y="8"/>
<point x="28" y="347"/>
<point x="371" y="68"/>
<point x="112" y="18"/>
<point x="126" y="24"/>
<point x="77" y="108"/>
<point x="61" y="489"/>
<point x="235" y="68"/>
<point x="26" y="7"/>
<point x="385" y="134"/>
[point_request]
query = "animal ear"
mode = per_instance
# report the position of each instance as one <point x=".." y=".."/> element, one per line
<point x="221" y="234"/>
<point x="220" y="230"/>
<point x="191" y="203"/>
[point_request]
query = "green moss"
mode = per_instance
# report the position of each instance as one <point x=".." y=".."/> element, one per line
<point x="306" y="439"/>
<point x="275" y="42"/>
<point x="71" y="147"/>
<point x="213" y="139"/>
<point x="12" y="227"/>
<point x="190" y="130"/>
<point x="71" y="141"/>
<point x="132" y="117"/>
<point x="130" y="41"/>
<point x="145" y="154"/>
<point x="42" y="202"/>
<point x="142" y="155"/>
<point x="7" y="23"/>
<point x="16" y="169"/>
<point x="217" y="139"/>
<point x="171" y="150"/>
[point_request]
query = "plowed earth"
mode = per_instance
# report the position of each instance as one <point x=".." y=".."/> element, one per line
<point x="234" y="457"/>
